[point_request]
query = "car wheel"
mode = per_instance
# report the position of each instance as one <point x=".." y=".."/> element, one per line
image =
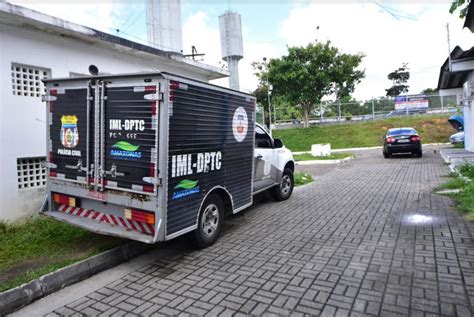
<point x="283" y="190"/>
<point x="386" y="155"/>
<point x="419" y="153"/>
<point x="210" y="221"/>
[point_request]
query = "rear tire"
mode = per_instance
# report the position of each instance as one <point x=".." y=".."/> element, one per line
<point x="386" y="155"/>
<point x="283" y="190"/>
<point x="210" y="221"/>
<point x="419" y="153"/>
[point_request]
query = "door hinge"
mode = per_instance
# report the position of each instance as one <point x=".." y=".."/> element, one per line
<point x="49" y="165"/>
<point x="155" y="97"/>
<point x="152" y="180"/>
<point x="48" y="98"/>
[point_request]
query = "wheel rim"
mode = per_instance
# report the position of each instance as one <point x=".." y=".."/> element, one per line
<point x="285" y="185"/>
<point x="210" y="220"/>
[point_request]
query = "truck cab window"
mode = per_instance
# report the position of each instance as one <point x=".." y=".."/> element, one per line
<point x="262" y="139"/>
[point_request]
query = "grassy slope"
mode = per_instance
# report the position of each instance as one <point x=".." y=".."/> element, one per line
<point x="42" y="245"/>
<point x="433" y="129"/>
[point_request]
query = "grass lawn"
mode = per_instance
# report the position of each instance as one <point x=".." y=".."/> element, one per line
<point x="333" y="156"/>
<point x="42" y="245"/>
<point x="302" y="178"/>
<point x="465" y="198"/>
<point x="432" y="129"/>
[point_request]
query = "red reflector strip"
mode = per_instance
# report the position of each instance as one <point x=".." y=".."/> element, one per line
<point x="174" y="85"/>
<point x="53" y="174"/>
<point x="152" y="169"/>
<point x="150" y="88"/>
<point x="112" y="220"/>
<point x="154" y="108"/>
<point x="148" y="189"/>
<point x="53" y="92"/>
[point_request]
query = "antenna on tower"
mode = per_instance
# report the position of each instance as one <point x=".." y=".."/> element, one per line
<point x="194" y="54"/>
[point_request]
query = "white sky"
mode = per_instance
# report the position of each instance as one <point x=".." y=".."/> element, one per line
<point x="418" y="37"/>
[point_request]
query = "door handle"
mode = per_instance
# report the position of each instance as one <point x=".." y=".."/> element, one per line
<point x="259" y="156"/>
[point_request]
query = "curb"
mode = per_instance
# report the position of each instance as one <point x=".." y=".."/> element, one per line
<point x="22" y="295"/>
<point x="452" y="166"/>
<point x="322" y="162"/>
<point x="364" y="148"/>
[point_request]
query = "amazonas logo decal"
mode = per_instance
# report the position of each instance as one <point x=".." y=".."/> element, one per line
<point x="124" y="150"/>
<point x="240" y="124"/>
<point x="186" y="187"/>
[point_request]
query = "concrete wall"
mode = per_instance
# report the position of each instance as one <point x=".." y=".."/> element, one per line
<point x="22" y="118"/>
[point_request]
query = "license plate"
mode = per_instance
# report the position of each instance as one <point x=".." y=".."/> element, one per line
<point x="403" y="141"/>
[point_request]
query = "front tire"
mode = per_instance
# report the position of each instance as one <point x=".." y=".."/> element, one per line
<point x="284" y="190"/>
<point x="210" y="221"/>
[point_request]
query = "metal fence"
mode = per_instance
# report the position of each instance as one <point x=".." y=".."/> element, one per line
<point x="334" y="112"/>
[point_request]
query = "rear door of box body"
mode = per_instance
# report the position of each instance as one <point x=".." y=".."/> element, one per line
<point x="103" y="140"/>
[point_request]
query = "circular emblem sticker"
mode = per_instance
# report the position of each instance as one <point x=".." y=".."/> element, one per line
<point x="240" y="124"/>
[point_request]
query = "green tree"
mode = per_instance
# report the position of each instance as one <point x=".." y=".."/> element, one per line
<point x="463" y="5"/>
<point x="399" y="78"/>
<point x="429" y="91"/>
<point x="307" y="74"/>
<point x="261" y="93"/>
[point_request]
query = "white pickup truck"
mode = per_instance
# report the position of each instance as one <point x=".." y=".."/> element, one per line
<point x="154" y="156"/>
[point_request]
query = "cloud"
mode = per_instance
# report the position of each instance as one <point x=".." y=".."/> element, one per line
<point x="386" y="41"/>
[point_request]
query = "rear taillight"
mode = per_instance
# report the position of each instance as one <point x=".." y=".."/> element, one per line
<point x="65" y="200"/>
<point x="415" y="138"/>
<point x="390" y="139"/>
<point x="140" y="216"/>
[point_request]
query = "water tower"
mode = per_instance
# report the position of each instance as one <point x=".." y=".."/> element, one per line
<point x="232" y="49"/>
<point x="163" y="19"/>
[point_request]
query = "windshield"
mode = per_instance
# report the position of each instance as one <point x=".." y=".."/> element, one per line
<point x="401" y="132"/>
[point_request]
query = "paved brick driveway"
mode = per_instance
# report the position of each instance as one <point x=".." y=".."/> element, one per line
<point x="367" y="237"/>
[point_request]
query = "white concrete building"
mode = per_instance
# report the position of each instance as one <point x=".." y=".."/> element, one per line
<point x="459" y="80"/>
<point x="34" y="45"/>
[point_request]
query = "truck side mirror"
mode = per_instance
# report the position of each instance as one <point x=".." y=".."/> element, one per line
<point x="277" y="144"/>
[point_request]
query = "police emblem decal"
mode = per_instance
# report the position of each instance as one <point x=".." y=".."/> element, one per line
<point x="69" y="131"/>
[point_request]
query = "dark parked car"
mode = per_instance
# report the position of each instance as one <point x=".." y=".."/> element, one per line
<point x="402" y="140"/>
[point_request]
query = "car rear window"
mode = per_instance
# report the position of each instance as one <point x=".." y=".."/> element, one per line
<point x="401" y="132"/>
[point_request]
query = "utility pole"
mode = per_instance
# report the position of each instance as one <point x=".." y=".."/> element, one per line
<point x="321" y="112"/>
<point x="449" y="49"/>
<point x="373" y="109"/>
<point x="268" y="96"/>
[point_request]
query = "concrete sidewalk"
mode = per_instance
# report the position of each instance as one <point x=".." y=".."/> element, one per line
<point x="368" y="237"/>
<point x="457" y="157"/>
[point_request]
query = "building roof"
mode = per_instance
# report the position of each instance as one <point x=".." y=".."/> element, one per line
<point x="23" y="17"/>
<point x="455" y="78"/>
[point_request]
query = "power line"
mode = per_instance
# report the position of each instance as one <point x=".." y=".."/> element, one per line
<point x="132" y="14"/>
<point x="134" y="21"/>
<point x="396" y="13"/>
